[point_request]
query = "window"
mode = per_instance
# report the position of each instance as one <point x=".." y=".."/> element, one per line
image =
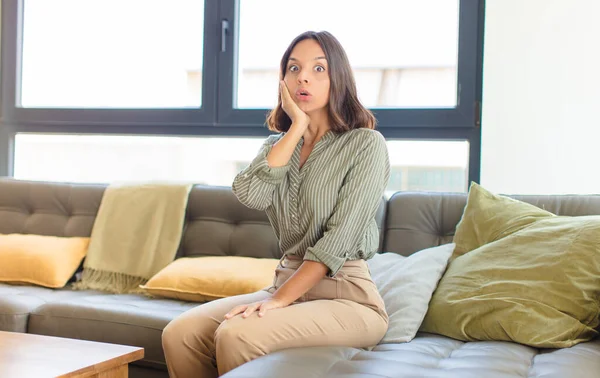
<point x="434" y="166"/>
<point x="202" y="70"/>
<point x="112" y="53"/>
<point x="415" y="165"/>
<point x="108" y="158"/>
<point x="416" y="68"/>
<point x="415" y="61"/>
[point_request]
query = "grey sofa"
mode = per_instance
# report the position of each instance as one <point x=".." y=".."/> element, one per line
<point x="217" y="224"/>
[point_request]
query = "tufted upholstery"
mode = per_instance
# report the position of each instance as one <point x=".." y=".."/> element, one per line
<point x="416" y="221"/>
<point x="48" y="208"/>
<point x="217" y="225"/>
<point x="429" y="356"/>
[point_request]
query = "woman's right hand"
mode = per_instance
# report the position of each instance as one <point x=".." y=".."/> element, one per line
<point x="290" y="107"/>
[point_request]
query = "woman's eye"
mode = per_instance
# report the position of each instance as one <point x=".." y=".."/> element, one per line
<point x="293" y="68"/>
<point x="320" y="68"/>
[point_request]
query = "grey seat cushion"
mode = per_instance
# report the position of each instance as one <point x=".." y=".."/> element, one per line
<point x="428" y="356"/>
<point x="17" y="302"/>
<point x="121" y="319"/>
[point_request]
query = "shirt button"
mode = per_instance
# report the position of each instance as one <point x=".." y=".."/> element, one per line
<point x="347" y="254"/>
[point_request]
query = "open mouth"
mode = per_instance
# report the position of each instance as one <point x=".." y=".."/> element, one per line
<point x="303" y="94"/>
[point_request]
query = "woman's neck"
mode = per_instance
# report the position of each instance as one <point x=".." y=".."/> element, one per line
<point x="319" y="125"/>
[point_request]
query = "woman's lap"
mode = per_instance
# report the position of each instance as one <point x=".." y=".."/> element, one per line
<point x="311" y="323"/>
<point x="345" y="310"/>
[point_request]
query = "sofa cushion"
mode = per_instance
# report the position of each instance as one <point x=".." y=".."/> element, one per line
<point x="428" y="355"/>
<point x="126" y="319"/>
<point x="203" y="279"/>
<point x="44" y="208"/>
<point x="16" y="303"/>
<point x="420" y="220"/>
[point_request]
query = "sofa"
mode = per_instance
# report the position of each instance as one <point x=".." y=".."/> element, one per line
<point x="217" y="224"/>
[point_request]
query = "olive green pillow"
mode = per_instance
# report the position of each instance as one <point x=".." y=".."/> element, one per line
<point x="519" y="274"/>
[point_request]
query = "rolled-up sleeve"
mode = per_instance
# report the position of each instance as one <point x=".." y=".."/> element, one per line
<point x="254" y="185"/>
<point x="357" y="203"/>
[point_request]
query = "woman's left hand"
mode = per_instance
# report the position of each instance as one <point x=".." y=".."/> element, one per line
<point x="261" y="307"/>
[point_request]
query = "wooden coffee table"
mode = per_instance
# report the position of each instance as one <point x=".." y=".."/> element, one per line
<point x="26" y="355"/>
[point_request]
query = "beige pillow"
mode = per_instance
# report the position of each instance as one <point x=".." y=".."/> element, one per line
<point x="406" y="285"/>
<point x="531" y="278"/>
<point x="48" y="261"/>
<point x="202" y="279"/>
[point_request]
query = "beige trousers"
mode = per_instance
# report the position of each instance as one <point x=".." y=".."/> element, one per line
<point x="345" y="310"/>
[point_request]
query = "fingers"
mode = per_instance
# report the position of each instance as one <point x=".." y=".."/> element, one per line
<point x="251" y="308"/>
<point x="262" y="310"/>
<point x="285" y="93"/>
<point x="282" y="90"/>
<point x="282" y="86"/>
<point x="236" y="310"/>
<point x="247" y="310"/>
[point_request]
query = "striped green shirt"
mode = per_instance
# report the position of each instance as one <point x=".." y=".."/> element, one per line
<point x="324" y="211"/>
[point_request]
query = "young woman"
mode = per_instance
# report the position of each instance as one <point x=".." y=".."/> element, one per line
<point x="320" y="181"/>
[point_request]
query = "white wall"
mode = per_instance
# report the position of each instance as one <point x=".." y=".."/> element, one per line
<point x="541" y="97"/>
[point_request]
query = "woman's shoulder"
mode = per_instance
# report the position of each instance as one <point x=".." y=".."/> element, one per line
<point x="273" y="138"/>
<point x="366" y="137"/>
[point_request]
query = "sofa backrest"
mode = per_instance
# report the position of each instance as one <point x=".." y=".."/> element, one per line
<point x="419" y="220"/>
<point x="42" y="208"/>
<point x="217" y="224"/>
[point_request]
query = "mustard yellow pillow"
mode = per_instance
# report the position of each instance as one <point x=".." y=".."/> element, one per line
<point x="48" y="261"/>
<point x="202" y="279"/>
<point x="521" y="275"/>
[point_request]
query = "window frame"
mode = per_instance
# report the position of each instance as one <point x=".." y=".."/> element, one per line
<point x="12" y="38"/>
<point x="460" y="116"/>
<point x="217" y="117"/>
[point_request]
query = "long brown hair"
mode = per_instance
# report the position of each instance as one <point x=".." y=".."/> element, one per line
<point x="345" y="110"/>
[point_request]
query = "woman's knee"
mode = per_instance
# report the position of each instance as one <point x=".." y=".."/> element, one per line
<point x="186" y="328"/>
<point x="239" y="334"/>
<point x="230" y="331"/>
<point x="174" y="333"/>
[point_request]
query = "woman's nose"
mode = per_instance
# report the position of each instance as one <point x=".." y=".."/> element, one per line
<point x="302" y="78"/>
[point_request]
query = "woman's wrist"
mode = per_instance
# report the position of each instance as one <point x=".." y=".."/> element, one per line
<point x="304" y="279"/>
<point x="279" y="298"/>
<point x="298" y="128"/>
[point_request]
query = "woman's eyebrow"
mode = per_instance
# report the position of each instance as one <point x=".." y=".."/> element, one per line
<point x="317" y="58"/>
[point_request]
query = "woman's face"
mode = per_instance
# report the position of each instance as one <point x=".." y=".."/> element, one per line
<point x="307" y="76"/>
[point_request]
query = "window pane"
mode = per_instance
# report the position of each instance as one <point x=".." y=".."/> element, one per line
<point x="403" y="52"/>
<point x="434" y="166"/>
<point x="112" y="53"/>
<point x="108" y="158"/>
<point x="416" y="165"/>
